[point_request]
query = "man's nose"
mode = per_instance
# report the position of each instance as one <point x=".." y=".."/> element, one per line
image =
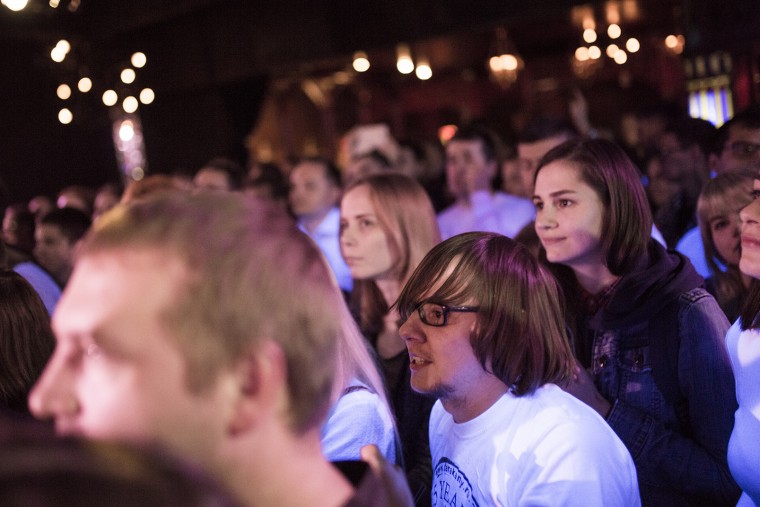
<point x="52" y="395"/>
<point x="410" y="328"/>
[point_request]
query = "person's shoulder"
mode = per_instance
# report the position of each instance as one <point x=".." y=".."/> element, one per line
<point x="514" y="200"/>
<point x="514" y="205"/>
<point x="554" y="409"/>
<point x="450" y="212"/>
<point x="359" y="399"/>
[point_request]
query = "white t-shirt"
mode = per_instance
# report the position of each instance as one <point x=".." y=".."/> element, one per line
<point x="547" y="448"/>
<point x="744" y="446"/>
<point x="357" y="419"/>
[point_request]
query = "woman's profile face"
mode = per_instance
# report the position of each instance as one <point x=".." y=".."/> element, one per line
<point x="750" y="215"/>
<point x="363" y="242"/>
<point x="569" y="216"/>
<point x="724" y="229"/>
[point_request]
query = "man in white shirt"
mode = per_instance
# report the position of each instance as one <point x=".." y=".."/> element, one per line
<point x="484" y="329"/>
<point x="471" y="165"/>
<point x="314" y="192"/>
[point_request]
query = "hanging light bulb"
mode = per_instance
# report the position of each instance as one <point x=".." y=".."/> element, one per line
<point x="15" y="5"/>
<point x="361" y="62"/>
<point x="423" y="70"/>
<point x="404" y="62"/>
<point x="139" y="60"/>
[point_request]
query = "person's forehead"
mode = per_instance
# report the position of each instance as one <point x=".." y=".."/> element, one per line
<point x="464" y="145"/>
<point x="128" y="284"/>
<point x="211" y="174"/>
<point x="309" y="171"/>
<point x="49" y="230"/>
<point x="742" y="133"/>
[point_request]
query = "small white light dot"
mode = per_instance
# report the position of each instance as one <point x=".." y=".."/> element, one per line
<point x="405" y="65"/>
<point x="65" y="116"/>
<point x="138" y="173"/>
<point x="130" y="104"/>
<point x="361" y="62"/>
<point x="128" y="76"/>
<point x="85" y="84"/>
<point x="110" y="98"/>
<point x="139" y="60"/>
<point x="63" y="91"/>
<point x="621" y="57"/>
<point x="147" y="96"/>
<point x="424" y="72"/>
<point x="57" y="54"/>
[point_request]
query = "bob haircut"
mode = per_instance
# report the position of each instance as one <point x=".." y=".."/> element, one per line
<point x="520" y="334"/>
<point x="251" y="276"/>
<point x="627" y="220"/>
<point x="26" y="339"/>
<point x="721" y="196"/>
<point x="407" y="217"/>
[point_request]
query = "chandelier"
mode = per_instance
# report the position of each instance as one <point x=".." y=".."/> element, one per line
<point x="505" y="63"/>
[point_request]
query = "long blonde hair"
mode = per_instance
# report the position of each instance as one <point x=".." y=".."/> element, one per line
<point x="407" y="217"/>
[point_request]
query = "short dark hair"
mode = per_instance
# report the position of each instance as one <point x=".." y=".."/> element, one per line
<point x="331" y="170"/>
<point x="690" y="131"/>
<point x="544" y="127"/>
<point x="748" y="118"/>
<point x="627" y="220"/>
<point x="487" y="137"/>
<point x="520" y="333"/>
<point x="72" y="222"/>
<point x="232" y="169"/>
<point x="272" y="178"/>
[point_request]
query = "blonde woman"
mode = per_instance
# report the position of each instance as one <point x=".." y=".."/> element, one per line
<point x="360" y="414"/>
<point x="720" y="226"/>
<point x="387" y="226"/>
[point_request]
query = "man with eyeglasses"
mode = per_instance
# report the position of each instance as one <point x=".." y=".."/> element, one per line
<point x="483" y="324"/>
<point x="736" y="147"/>
<point x="737" y="144"/>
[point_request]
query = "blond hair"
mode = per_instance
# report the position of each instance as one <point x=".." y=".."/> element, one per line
<point x="250" y="276"/>
<point x="408" y="219"/>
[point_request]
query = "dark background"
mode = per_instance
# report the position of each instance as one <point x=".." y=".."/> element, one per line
<point x="211" y="63"/>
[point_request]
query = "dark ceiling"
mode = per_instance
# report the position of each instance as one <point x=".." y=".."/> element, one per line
<point x="197" y="47"/>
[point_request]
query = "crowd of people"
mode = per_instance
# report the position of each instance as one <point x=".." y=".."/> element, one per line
<point x="572" y="320"/>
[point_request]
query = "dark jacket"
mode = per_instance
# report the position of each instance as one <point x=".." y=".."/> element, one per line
<point x="656" y="352"/>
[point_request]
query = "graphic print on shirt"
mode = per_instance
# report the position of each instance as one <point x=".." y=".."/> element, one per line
<point x="451" y="486"/>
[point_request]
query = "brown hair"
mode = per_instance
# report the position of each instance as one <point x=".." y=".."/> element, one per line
<point x="407" y="217"/>
<point x="627" y="220"/>
<point x="250" y="276"/>
<point x="725" y="194"/>
<point x="26" y="340"/>
<point x="520" y="334"/>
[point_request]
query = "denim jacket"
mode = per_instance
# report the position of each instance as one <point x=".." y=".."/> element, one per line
<point x="657" y="353"/>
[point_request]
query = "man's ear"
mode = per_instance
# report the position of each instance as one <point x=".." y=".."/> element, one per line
<point x="262" y="384"/>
